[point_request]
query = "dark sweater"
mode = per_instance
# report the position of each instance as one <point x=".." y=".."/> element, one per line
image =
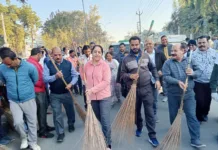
<point x="58" y="86"/>
<point x="214" y="78"/>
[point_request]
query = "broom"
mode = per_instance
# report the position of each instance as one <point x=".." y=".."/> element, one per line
<point x="79" y="109"/>
<point x="123" y="125"/>
<point x="93" y="136"/>
<point x="172" y="140"/>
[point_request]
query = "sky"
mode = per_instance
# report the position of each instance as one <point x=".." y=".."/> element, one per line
<point x="118" y="17"/>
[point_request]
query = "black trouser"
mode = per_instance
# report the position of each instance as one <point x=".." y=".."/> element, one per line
<point x="80" y="85"/>
<point x="203" y="99"/>
<point x="2" y="133"/>
<point x="41" y="111"/>
<point x="84" y="96"/>
<point x="145" y="96"/>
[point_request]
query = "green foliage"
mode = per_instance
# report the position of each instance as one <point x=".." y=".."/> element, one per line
<point x="194" y="16"/>
<point x="20" y="22"/>
<point x="67" y="26"/>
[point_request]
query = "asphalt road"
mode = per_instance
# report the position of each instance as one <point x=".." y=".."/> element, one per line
<point x="72" y="141"/>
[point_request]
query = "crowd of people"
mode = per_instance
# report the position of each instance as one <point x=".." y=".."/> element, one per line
<point x="35" y="84"/>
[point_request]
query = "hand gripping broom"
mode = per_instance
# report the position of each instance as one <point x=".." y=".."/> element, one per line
<point x="79" y="109"/>
<point x="123" y="125"/>
<point x="173" y="137"/>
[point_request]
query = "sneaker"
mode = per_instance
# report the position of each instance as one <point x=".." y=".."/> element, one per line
<point x="8" y="138"/>
<point x="35" y="147"/>
<point x="138" y="132"/>
<point x="49" y="129"/>
<point x="71" y="128"/>
<point x="24" y="144"/>
<point x="46" y="135"/>
<point x="4" y="141"/>
<point x="154" y="142"/>
<point x="197" y="144"/>
<point x="164" y="99"/>
<point x="205" y="118"/>
<point x="60" y="138"/>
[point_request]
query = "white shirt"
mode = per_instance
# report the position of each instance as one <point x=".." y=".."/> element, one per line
<point x="152" y="56"/>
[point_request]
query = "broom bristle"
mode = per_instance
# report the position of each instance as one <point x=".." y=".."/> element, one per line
<point x="80" y="112"/>
<point x="93" y="136"/>
<point x="123" y="125"/>
<point x="172" y="140"/>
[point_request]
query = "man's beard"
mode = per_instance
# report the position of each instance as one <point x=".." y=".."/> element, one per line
<point x="135" y="51"/>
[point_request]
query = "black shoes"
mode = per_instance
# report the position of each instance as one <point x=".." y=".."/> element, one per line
<point x="49" y="129"/>
<point x="71" y="128"/>
<point x="46" y="135"/>
<point x="60" y="138"/>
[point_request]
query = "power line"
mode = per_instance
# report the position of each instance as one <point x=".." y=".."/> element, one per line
<point x="155" y="9"/>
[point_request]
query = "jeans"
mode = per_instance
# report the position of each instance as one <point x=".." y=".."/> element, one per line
<point x="41" y="111"/>
<point x="102" y="109"/>
<point x="189" y="109"/>
<point x="155" y="94"/>
<point x="56" y="103"/>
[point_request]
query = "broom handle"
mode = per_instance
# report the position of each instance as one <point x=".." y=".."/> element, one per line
<point x="186" y="84"/>
<point x="62" y="78"/>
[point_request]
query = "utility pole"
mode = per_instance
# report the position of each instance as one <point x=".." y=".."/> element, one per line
<point x="139" y="13"/>
<point x="86" y="28"/>
<point x="3" y="26"/>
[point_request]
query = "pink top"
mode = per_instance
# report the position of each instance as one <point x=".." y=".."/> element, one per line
<point x="98" y="78"/>
<point x="74" y="61"/>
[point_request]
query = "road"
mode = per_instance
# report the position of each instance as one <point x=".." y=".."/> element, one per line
<point x="72" y="141"/>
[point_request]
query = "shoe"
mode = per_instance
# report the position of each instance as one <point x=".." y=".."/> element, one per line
<point x="205" y="118"/>
<point x="35" y="147"/>
<point x="60" y="138"/>
<point x="156" y="119"/>
<point x="4" y="141"/>
<point x="46" y="135"/>
<point x="109" y="147"/>
<point x="197" y="144"/>
<point x="138" y="132"/>
<point x="8" y="138"/>
<point x="164" y="99"/>
<point x="49" y="129"/>
<point x="154" y="142"/>
<point x="71" y="128"/>
<point x="24" y="144"/>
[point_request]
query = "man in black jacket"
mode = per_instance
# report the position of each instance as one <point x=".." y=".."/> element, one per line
<point x="144" y="90"/>
<point x="158" y="58"/>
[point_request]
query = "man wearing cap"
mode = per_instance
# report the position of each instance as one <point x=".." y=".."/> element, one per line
<point x="192" y="45"/>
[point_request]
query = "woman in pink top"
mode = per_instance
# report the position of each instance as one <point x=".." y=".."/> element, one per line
<point x="98" y="77"/>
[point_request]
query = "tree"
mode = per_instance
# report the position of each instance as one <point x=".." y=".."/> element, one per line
<point x="30" y="21"/>
<point x="67" y="26"/>
<point x="17" y="28"/>
<point x="194" y="16"/>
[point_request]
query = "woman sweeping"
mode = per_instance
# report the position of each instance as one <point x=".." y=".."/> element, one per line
<point x="113" y="64"/>
<point x="98" y="77"/>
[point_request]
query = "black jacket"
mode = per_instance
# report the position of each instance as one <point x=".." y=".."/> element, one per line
<point x="130" y="66"/>
<point x="160" y="58"/>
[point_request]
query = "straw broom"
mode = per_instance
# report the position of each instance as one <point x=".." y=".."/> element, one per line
<point x="93" y="136"/>
<point x="123" y="125"/>
<point x="172" y="140"/>
<point x="79" y="109"/>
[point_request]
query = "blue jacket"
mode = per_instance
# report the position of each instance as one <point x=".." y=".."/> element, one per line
<point x="20" y="83"/>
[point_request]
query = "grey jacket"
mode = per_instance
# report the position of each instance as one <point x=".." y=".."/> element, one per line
<point x="174" y="71"/>
<point x="130" y="66"/>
